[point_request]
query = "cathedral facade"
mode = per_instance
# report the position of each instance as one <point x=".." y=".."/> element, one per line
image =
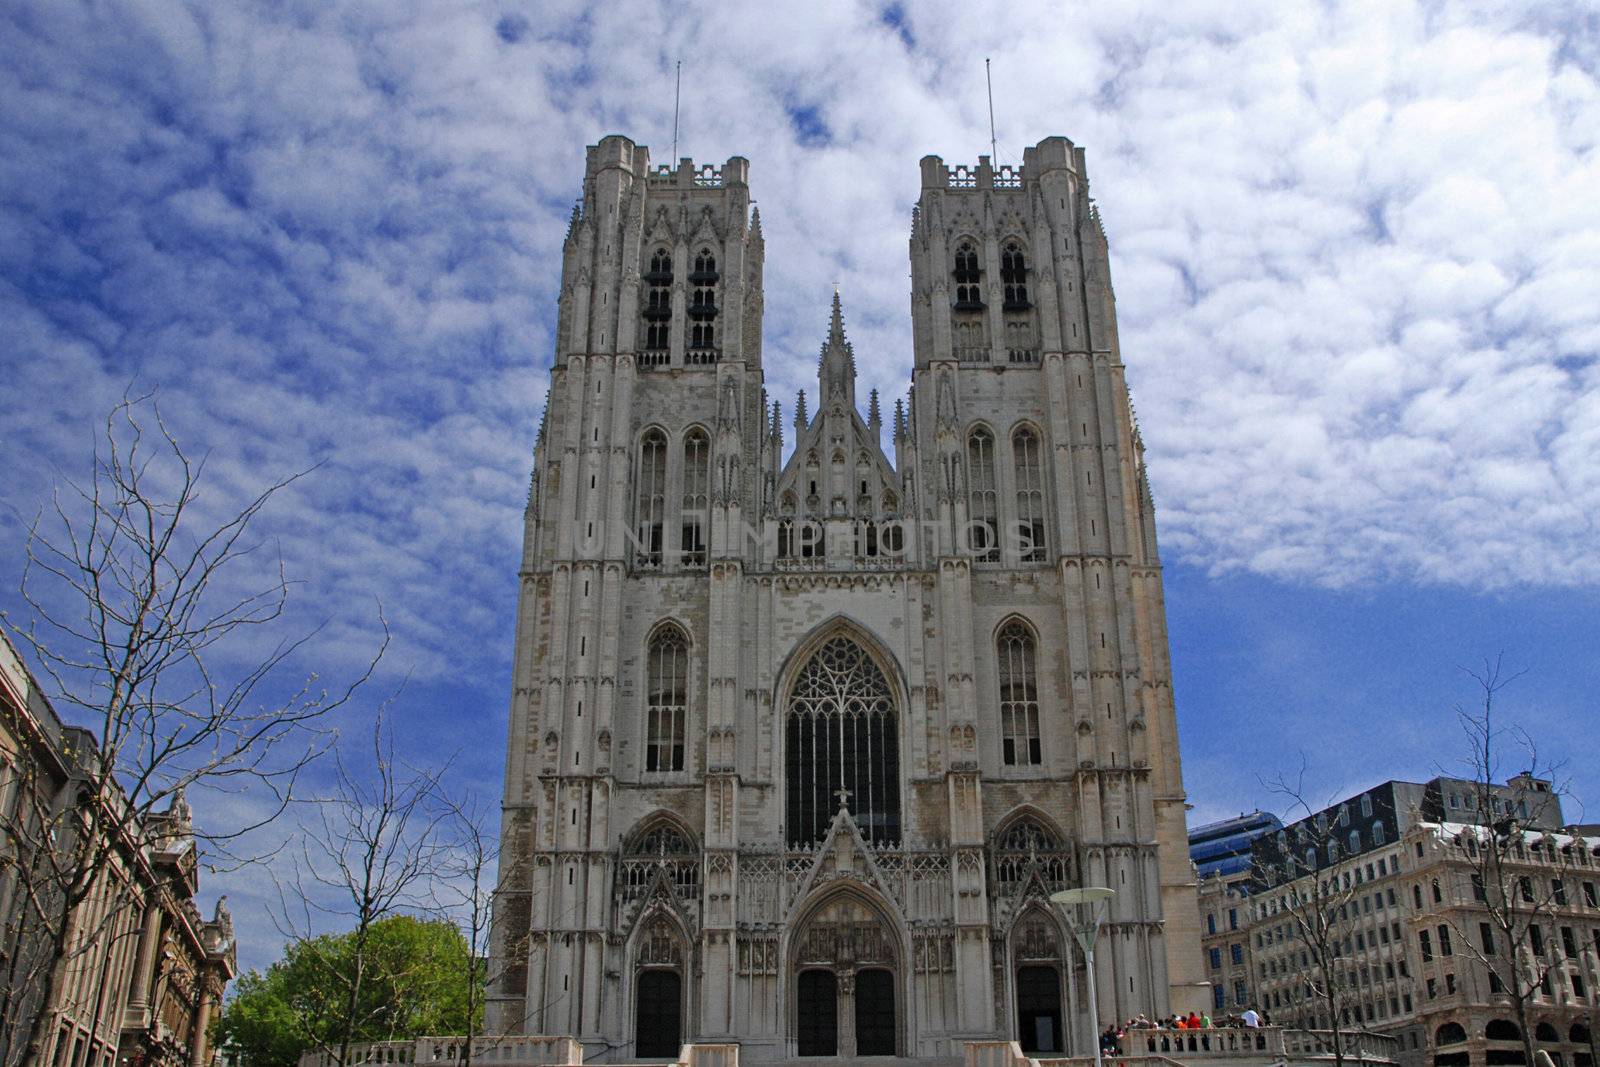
<point x="803" y="738"/>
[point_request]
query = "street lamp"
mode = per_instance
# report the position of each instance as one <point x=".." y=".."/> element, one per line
<point x="1083" y="913"/>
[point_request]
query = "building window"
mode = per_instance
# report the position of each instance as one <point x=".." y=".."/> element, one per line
<point x="1240" y="993"/>
<point x="1379" y="838"/>
<point x="703" y="308"/>
<point x="1233" y="918"/>
<point x="843" y="746"/>
<point x="1425" y="942"/>
<point x="1019" y="697"/>
<point x="967" y="275"/>
<point x="1366" y="805"/>
<point x="1236" y="952"/>
<point x="1014" y="276"/>
<point x="666" y="700"/>
<point x="651" y="502"/>
<point x="1030" y="495"/>
<point x="1216" y="959"/>
<point x="1355" y="842"/>
<point x="1211" y="923"/>
<point x="1219" y="997"/>
<point x="1444" y="941"/>
<point x="696" y="499"/>
<point x="982" y="526"/>
<point x="657" y="309"/>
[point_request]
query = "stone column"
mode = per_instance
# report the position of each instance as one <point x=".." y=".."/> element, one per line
<point x="138" y="1012"/>
<point x="199" y="1054"/>
<point x="847" y="1014"/>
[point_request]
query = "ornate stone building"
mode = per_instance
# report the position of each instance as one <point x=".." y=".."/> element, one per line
<point x="803" y="738"/>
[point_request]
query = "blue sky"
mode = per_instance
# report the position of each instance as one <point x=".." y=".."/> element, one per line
<point x="1356" y="250"/>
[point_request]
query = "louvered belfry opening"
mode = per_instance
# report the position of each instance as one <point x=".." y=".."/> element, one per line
<point x="842" y="743"/>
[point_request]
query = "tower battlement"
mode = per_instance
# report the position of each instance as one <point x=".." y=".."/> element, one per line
<point x="1050" y="154"/>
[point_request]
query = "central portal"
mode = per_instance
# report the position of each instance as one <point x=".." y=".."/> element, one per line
<point x="846" y="964"/>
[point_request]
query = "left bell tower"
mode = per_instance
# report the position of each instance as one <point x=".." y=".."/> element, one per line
<point x="653" y="418"/>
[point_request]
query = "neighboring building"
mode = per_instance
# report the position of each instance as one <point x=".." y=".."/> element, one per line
<point x="1410" y="899"/>
<point x="1225" y="847"/>
<point x="143" y="970"/>
<point x="1222" y="855"/>
<point x="799" y="747"/>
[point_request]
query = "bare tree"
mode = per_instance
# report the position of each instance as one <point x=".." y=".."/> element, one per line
<point x="1508" y="927"/>
<point x="146" y="615"/>
<point x="467" y="888"/>
<point x="1316" y="900"/>
<point x="373" y="850"/>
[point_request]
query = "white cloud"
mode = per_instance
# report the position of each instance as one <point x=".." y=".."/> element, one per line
<point x="1356" y="246"/>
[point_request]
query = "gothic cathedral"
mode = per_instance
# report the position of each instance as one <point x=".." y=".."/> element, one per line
<point x="802" y="739"/>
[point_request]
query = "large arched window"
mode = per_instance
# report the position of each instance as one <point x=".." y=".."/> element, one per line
<point x="982" y="517"/>
<point x="1030" y="494"/>
<point x="650" y="503"/>
<point x="1019" y="696"/>
<point x="843" y="746"/>
<point x="696" y="500"/>
<point x="666" y="700"/>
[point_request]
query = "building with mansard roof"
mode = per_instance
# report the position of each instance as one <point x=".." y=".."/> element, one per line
<point x="804" y="734"/>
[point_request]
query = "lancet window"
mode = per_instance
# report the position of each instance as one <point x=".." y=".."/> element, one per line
<point x="666" y="700"/>
<point x="650" y="501"/>
<point x="662" y="847"/>
<point x="843" y="746"/>
<point x="982" y="522"/>
<point x="1014" y="277"/>
<point x="1019" y="696"/>
<point x="1026" y="454"/>
<point x="703" y="308"/>
<point x="967" y="278"/>
<point x="696" y="500"/>
<point x="657" y="309"/>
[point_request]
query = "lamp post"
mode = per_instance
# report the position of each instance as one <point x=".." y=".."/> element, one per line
<point x="1081" y="908"/>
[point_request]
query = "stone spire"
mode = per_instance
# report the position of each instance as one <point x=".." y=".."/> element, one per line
<point x="874" y="416"/>
<point x="801" y="421"/>
<point x="836" y="371"/>
<point x="776" y="433"/>
<point x="899" y="419"/>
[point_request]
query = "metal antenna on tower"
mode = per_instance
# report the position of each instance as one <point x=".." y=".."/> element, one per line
<point x="993" y="152"/>
<point x="677" y="94"/>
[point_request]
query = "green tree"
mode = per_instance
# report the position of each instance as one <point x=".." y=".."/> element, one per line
<point x="415" y="985"/>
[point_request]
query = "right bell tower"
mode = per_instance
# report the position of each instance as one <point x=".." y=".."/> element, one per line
<point x="1026" y="456"/>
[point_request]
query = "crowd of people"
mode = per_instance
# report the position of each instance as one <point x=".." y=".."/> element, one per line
<point x="1111" y="1042"/>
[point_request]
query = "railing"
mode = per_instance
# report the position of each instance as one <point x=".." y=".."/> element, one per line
<point x="524" y="1050"/>
<point x="972" y="355"/>
<point x="698" y="357"/>
<point x="654" y="357"/>
<point x="1160" y="1048"/>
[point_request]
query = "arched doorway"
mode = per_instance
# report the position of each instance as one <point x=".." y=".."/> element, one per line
<point x="1039" y="1009"/>
<point x="1036" y="957"/>
<point x="658" y="990"/>
<point x="875" y="1014"/>
<point x="817" y="1004"/>
<point x="657" y="1025"/>
<point x="846" y="962"/>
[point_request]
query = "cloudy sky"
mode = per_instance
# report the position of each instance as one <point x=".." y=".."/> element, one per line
<point x="1356" y="251"/>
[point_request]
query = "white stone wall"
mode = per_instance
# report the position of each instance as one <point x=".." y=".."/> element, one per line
<point x="573" y="931"/>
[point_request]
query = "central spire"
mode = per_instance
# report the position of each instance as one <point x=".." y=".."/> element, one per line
<point x="836" y="370"/>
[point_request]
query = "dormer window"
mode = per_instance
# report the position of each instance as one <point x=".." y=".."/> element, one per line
<point x="967" y="278"/>
<point x="1014" y="276"/>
